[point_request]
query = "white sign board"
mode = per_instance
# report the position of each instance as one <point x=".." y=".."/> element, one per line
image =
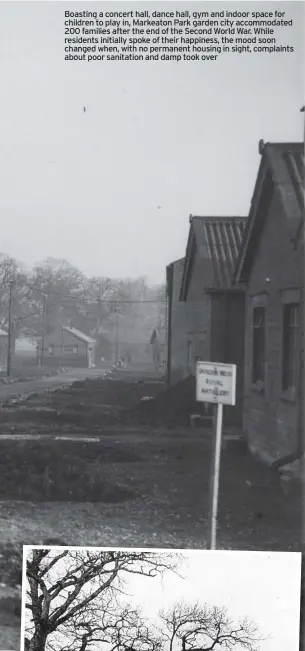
<point x="216" y="383"/>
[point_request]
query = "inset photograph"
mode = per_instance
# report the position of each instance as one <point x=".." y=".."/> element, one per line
<point x="90" y="599"/>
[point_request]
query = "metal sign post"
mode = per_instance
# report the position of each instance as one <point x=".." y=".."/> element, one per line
<point x="215" y="473"/>
<point x="215" y="383"/>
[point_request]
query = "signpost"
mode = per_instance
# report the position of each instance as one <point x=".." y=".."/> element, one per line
<point x="215" y="383"/>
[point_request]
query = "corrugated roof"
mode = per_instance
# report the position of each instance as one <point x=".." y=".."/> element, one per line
<point x="79" y="335"/>
<point x="223" y="238"/>
<point x="296" y="169"/>
<point x="216" y="241"/>
<point x="286" y="161"/>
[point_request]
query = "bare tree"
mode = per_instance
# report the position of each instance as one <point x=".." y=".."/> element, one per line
<point x="204" y="628"/>
<point x="99" y="299"/>
<point x="56" y="293"/>
<point x="65" y="585"/>
<point x="61" y="287"/>
<point x="113" y="627"/>
<point x="16" y="306"/>
<point x="77" y="603"/>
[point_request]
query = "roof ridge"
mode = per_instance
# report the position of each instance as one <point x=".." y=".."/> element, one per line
<point x="219" y="217"/>
<point x="78" y="333"/>
<point x="288" y="143"/>
<point x="284" y="164"/>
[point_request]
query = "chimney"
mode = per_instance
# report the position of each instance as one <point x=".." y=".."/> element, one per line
<point x="261" y="146"/>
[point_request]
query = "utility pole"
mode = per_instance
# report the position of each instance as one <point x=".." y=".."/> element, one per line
<point x="168" y="324"/>
<point x="9" y="338"/>
<point x="117" y="339"/>
<point x="44" y="310"/>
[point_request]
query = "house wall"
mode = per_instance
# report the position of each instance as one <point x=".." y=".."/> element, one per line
<point x="131" y="338"/>
<point x="140" y="353"/>
<point x="59" y="339"/>
<point x="197" y="313"/>
<point x="270" y="419"/>
<point x="226" y="339"/>
<point x="202" y="322"/>
<point x="158" y="353"/>
<point x="177" y="328"/>
<point x="216" y="332"/>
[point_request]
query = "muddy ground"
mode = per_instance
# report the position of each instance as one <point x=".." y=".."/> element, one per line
<point x="97" y="463"/>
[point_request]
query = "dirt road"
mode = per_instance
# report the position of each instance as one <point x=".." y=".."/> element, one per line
<point x="41" y="384"/>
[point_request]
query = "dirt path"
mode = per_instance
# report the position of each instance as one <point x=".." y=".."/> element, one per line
<point x="84" y="464"/>
<point x="146" y="487"/>
<point x="39" y="385"/>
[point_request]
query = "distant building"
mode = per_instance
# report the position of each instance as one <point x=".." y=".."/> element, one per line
<point x="66" y="346"/>
<point x="125" y="339"/>
<point x="271" y="265"/>
<point x="157" y="342"/>
<point x="103" y="348"/>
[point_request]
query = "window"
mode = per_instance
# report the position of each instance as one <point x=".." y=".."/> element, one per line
<point x="258" y="360"/>
<point x="290" y="346"/>
<point x="51" y="349"/>
<point x="75" y="349"/>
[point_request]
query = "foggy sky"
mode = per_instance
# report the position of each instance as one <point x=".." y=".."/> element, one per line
<point x="87" y="186"/>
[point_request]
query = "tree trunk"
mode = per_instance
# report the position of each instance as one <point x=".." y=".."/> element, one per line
<point x="38" y="641"/>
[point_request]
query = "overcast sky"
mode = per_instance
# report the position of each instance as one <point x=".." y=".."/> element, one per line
<point x="262" y="586"/>
<point x="86" y="186"/>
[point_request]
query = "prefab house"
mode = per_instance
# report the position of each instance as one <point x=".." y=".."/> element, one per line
<point x="271" y="266"/>
<point x="214" y="319"/>
<point x="67" y="347"/>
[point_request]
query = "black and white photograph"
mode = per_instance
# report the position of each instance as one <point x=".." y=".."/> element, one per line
<point x="151" y="294"/>
<point x="133" y="600"/>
